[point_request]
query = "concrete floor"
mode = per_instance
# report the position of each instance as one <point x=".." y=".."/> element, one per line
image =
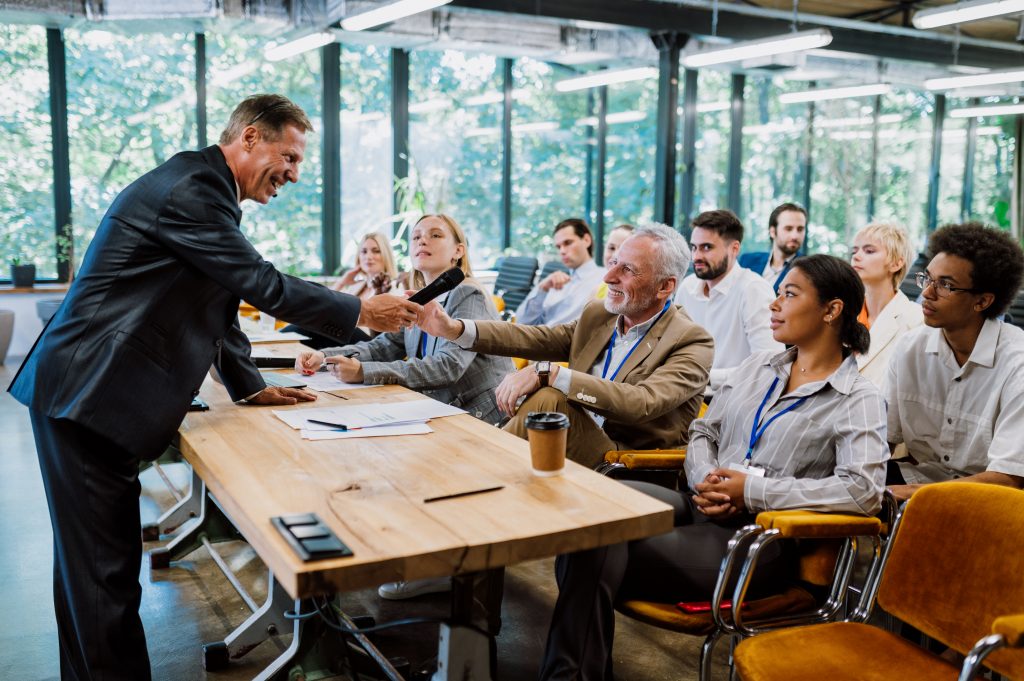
<point x="191" y="603"/>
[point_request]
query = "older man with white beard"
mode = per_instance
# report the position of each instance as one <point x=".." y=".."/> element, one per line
<point x="638" y="365"/>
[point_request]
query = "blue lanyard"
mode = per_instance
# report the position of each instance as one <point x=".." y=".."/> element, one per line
<point x="423" y="344"/>
<point x="755" y="433"/>
<point x="611" y="344"/>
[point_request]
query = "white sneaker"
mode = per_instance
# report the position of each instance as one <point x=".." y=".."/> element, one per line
<point x="397" y="591"/>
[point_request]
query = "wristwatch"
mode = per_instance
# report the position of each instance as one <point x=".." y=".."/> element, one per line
<point x="543" y="370"/>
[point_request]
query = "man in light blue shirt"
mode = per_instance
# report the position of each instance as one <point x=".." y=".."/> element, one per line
<point x="560" y="297"/>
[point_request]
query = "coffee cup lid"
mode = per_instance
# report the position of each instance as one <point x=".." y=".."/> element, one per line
<point x="546" y="420"/>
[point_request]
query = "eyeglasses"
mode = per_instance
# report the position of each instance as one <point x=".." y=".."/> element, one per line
<point x="942" y="288"/>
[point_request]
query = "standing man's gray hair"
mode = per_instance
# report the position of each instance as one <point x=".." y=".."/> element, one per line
<point x="673" y="251"/>
<point x="269" y="113"/>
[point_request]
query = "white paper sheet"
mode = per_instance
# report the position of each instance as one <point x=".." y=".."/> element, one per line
<point x="366" y="415"/>
<point x="276" y="337"/>
<point x="379" y="431"/>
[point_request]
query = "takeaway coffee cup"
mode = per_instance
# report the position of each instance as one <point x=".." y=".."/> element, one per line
<point x="547" y="431"/>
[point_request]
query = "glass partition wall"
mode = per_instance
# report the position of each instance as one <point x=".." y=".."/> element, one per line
<point x="131" y="104"/>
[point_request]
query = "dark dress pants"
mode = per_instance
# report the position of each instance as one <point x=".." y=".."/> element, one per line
<point x="680" y="565"/>
<point x="92" y="489"/>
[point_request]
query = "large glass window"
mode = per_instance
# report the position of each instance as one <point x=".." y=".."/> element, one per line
<point x="548" y="156"/>
<point x="774" y="153"/>
<point x="993" y="170"/>
<point x="714" y="89"/>
<point x="367" y="177"/>
<point x="952" y="163"/>
<point x="455" y="113"/>
<point x="841" y="173"/>
<point x="631" y="141"/>
<point x="131" y="106"/>
<point x="27" y="233"/>
<point x="904" y="157"/>
<point x="288" y="230"/>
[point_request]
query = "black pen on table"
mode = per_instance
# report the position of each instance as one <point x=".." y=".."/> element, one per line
<point x="326" y="365"/>
<point x="463" y="494"/>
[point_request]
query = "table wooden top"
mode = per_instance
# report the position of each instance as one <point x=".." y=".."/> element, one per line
<point x="370" y="491"/>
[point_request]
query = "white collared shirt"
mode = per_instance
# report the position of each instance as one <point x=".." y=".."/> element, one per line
<point x="559" y="306"/>
<point x="770" y="274"/>
<point x="958" y="421"/>
<point x="736" y="315"/>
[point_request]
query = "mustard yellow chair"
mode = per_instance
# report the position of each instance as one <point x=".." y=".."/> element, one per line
<point x="827" y="547"/>
<point x="953" y="568"/>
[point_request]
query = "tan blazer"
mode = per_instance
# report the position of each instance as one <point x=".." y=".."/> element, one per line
<point x="898" y="317"/>
<point x="655" y="395"/>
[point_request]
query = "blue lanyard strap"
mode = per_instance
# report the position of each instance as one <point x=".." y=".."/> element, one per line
<point x="611" y="344"/>
<point x="755" y="433"/>
<point x="423" y="344"/>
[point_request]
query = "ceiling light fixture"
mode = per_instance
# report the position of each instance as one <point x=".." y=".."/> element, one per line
<point x="599" y="78"/>
<point x="990" y="110"/>
<point x="962" y="12"/>
<point x="294" y="47"/>
<point x="762" y="47"/>
<point x="388" y="13"/>
<point x="613" y="118"/>
<point x="990" y="78"/>
<point x="824" y="94"/>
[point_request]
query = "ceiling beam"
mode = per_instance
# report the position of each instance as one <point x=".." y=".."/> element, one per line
<point x="873" y="39"/>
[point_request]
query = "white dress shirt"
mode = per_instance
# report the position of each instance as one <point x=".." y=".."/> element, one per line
<point x="559" y="306"/>
<point x="958" y="421"/>
<point x="827" y="454"/>
<point x="736" y="315"/>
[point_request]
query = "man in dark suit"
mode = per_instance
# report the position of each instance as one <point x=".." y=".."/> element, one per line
<point x="787" y="229"/>
<point x="112" y="375"/>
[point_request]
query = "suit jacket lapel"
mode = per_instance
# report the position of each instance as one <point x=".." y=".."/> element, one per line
<point x="882" y="332"/>
<point x="647" y="345"/>
<point x="597" y="342"/>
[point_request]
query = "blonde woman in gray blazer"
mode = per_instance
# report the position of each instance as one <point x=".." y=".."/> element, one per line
<point x="881" y="254"/>
<point x="433" y="366"/>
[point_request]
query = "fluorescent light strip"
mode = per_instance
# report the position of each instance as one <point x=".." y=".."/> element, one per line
<point x="388" y="13"/>
<point x="963" y="12"/>
<point x="762" y="47"/>
<point x="991" y="110"/>
<point x="823" y="94"/>
<point x="429" y="106"/>
<point x="494" y="98"/>
<point x="884" y="119"/>
<point x="543" y="126"/>
<point x="294" y="47"/>
<point x="612" y="119"/>
<point x="600" y="78"/>
<point x="990" y="78"/>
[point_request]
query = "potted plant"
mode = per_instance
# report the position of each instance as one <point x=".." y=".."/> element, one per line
<point x="23" y="275"/>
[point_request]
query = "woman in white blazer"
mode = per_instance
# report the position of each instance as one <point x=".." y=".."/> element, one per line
<point x="881" y="254"/>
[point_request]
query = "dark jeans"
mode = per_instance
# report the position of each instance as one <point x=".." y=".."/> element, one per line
<point x="680" y="565"/>
<point x="92" y="489"/>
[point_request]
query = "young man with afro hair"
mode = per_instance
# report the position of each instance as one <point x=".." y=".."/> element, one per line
<point x="956" y="384"/>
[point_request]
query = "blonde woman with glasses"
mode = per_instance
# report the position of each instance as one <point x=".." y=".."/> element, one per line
<point x="881" y="255"/>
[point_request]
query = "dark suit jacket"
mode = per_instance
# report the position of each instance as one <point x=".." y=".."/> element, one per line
<point x="155" y="305"/>
<point x="757" y="261"/>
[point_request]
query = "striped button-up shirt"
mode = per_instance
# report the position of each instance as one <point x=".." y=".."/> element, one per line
<point x="827" y="454"/>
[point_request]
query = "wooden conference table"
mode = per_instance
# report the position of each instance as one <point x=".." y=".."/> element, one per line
<point x="371" y="491"/>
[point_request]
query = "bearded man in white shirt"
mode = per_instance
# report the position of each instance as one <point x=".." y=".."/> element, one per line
<point x="730" y="301"/>
<point x="956" y="385"/>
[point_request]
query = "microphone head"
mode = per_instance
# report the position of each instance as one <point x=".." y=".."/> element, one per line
<point x="454" y="276"/>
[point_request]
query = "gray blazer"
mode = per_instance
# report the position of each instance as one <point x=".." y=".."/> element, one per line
<point x="446" y="372"/>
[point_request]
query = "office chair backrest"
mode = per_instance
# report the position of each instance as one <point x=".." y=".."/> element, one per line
<point x="515" y="279"/>
<point x="956" y="564"/>
<point x="551" y="266"/>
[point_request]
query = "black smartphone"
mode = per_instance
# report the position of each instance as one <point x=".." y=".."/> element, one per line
<point x="198" y="405"/>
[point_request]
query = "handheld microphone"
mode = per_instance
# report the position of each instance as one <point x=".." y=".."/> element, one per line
<point x="446" y="282"/>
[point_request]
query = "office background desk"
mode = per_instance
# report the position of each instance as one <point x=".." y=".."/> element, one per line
<point x="370" y="491"/>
